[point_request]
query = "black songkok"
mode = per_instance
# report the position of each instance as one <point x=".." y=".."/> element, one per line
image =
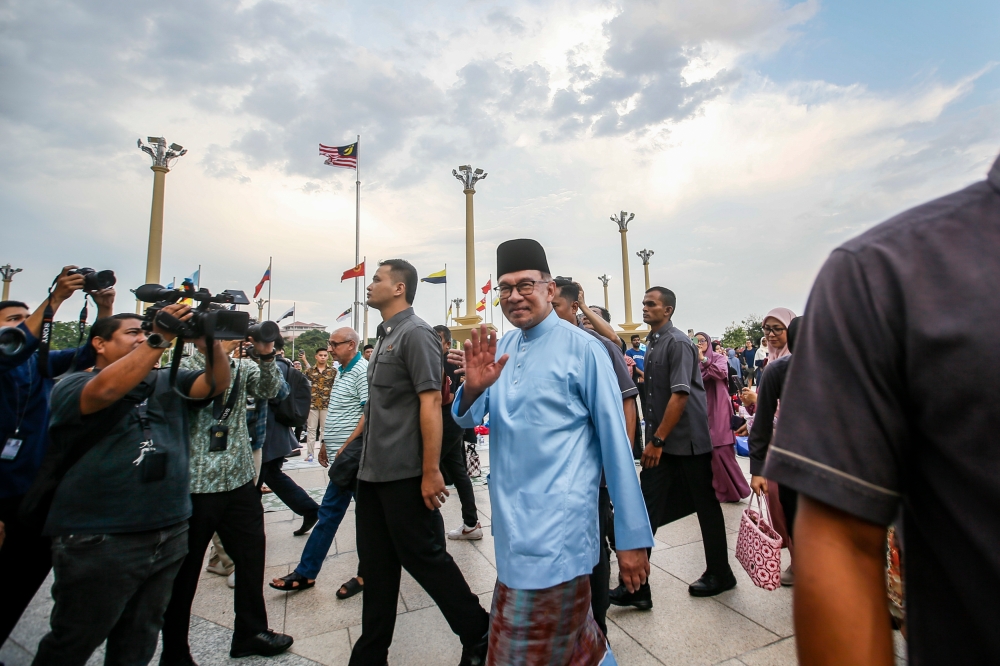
<point x="522" y="254"/>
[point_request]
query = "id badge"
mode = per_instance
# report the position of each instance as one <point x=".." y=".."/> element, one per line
<point x="153" y="466"/>
<point x="218" y="438"/>
<point x="11" y="448"/>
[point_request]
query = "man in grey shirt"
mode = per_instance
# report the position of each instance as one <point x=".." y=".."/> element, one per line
<point x="677" y="461"/>
<point x="400" y="486"/>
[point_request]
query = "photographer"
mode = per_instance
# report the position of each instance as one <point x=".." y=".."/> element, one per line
<point x="225" y="500"/>
<point x="24" y="413"/>
<point x="118" y="518"/>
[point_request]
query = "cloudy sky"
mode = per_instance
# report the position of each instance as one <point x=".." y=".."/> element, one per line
<point x="749" y="137"/>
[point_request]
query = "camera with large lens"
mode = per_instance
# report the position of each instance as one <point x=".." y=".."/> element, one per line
<point x="95" y="280"/>
<point x="210" y="319"/>
<point x="12" y="340"/>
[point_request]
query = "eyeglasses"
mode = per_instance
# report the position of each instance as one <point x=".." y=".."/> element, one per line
<point x="774" y="330"/>
<point x="334" y="344"/>
<point x="524" y="287"/>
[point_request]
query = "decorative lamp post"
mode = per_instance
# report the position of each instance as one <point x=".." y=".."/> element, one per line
<point x="163" y="157"/>
<point x="260" y="303"/>
<point x="8" y="274"/>
<point x="622" y="222"/>
<point x="469" y="177"/>
<point x="458" y="307"/>
<point x="645" y="255"/>
<point x="605" y="280"/>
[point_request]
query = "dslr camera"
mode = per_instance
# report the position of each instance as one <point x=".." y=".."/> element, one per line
<point x="210" y="318"/>
<point x="95" y="280"/>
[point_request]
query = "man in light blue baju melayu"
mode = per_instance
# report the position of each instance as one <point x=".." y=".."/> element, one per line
<point x="555" y="421"/>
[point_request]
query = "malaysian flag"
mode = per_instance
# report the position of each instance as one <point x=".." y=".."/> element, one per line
<point x="340" y="156"/>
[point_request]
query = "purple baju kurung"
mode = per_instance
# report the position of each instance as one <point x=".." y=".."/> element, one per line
<point x="727" y="477"/>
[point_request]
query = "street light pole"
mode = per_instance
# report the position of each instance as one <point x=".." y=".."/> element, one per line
<point x="163" y="156"/>
<point x="645" y="255"/>
<point x="8" y="274"/>
<point x="622" y="222"/>
<point x="260" y="303"/>
<point x="458" y="307"/>
<point x="605" y="280"/>
<point x="469" y="177"/>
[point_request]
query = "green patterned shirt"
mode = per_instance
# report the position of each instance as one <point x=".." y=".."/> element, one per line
<point x="220" y="471"/>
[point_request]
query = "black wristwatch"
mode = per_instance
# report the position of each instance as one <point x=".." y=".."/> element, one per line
<point x="157" y="341"/>
<point x="657" y="442"/>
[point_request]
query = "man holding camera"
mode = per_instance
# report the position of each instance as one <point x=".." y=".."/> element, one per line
<point x="224" y="499"/>
<point x="24" y="413"/>
<point x="118" y="518"/>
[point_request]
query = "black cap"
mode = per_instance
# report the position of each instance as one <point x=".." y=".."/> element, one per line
<point x="521" y="254"/>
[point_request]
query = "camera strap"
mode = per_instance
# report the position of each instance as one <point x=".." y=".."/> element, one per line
<point x="220" y="413"/>
<point x="143" y="410"/>
<point x="45" y="342"/>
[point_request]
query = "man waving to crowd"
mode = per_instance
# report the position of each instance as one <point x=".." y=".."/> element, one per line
<point x="556" y="418"/>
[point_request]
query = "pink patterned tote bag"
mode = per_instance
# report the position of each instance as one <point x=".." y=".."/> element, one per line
<point x="758" y="546"/>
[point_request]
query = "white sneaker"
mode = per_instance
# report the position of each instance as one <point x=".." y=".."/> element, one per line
<point x="231" y="581"/>
<point x="465" y="533"/>
<point x="215" y="566"/>
<point x="788" y="577"/>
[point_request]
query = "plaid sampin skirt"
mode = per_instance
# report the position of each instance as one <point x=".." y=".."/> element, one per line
<point x="546" y="627"/>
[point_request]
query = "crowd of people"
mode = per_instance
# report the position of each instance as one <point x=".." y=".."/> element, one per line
<point x="119" y="472"/>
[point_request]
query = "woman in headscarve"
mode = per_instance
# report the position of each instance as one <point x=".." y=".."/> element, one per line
<point x="759" y="360"/>
<point x="735" y="362"/>
<point x="727" y="478"/>
<point x="776" y="333"/>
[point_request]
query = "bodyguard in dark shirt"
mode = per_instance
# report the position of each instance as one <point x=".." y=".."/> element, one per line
<point x="24" y="416"/>
<point x="891" y="403"/>
<point x="677" y="461"/>
<point x="400" y="486"/>
<point x="118" y="519"/>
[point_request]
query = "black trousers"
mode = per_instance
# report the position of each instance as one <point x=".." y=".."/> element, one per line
<point x="680" y="486"/>
<point x="455" y="471"/>
<point x="238" y="517"/>
<point x="287" y="490"/>
<point x="600" y="577"/>
<point x="25" y="559"/>
<point x="395" y="529"/>
<point x="790" y="505"/>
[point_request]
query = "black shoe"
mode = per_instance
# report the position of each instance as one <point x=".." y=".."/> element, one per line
<point x="185" y="660"/>
<point x="294" y="453"/>
<point x="710" y="585"/>
<point x="307" y="523"/>
<point x="265" y="644"/>
<point x="641" y="598"/>
<point x="475" y="655"/>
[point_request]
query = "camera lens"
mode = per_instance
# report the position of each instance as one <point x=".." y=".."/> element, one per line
<point x="12" y="340"/>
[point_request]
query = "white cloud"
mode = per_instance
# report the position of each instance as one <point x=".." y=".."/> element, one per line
<point x="740" y="184"/>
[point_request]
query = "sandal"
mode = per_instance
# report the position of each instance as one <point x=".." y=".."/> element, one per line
<point x="293" y="582"/>
<point x="349" y="589"/>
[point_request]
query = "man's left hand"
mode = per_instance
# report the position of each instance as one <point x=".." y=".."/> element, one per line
<point x="651" y="456"/>
<point x="105" y="298"/>
<point x="633" y="567"/>
<point x="457" y="357"/>
<point x="321" y="457"/>
<point x="433" y="490"/>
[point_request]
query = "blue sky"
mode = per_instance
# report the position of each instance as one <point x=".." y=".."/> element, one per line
<point x="750" y="137"/>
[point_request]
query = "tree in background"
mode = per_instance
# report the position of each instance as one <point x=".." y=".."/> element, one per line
<point x="66" y="335"/>
<point x="751" y="328"/>
<point x="308" y="342"/>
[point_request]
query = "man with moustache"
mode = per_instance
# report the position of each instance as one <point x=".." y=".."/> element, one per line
<point x="555" y="420"/>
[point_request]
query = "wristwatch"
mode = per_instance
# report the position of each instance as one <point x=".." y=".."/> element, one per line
<point x="157" y="341"/>
<point x="657" y="442"/>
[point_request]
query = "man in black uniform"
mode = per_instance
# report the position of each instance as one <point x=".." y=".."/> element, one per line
<point x="677" y="461"/>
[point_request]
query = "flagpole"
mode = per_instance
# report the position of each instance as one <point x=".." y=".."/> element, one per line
<point x="199" y="276"/>
<point x="446" y="295"/>
<point x="490" y="297"/>
<point x="269" y="279"/>
<point x="366" y="326"/>
<point x="357" y="233"/>
<point x="293" y="336"/>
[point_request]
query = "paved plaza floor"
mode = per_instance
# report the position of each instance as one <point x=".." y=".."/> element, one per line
<point x="745" y="626"/>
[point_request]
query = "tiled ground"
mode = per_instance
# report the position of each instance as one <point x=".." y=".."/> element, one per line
<point x="747" y="625"/>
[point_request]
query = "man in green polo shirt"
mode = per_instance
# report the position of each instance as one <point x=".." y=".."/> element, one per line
<point x="345" y="421"/>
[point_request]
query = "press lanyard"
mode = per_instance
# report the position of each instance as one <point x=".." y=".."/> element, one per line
<point x="231" y="402"/>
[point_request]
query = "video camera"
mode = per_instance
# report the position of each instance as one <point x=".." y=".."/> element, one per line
<point x="209" y="319"/>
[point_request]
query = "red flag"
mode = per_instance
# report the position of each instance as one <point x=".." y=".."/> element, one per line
<point x="266" y="278"/>
<point x="488" y="286"/>
<point x="356" y="272"/>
